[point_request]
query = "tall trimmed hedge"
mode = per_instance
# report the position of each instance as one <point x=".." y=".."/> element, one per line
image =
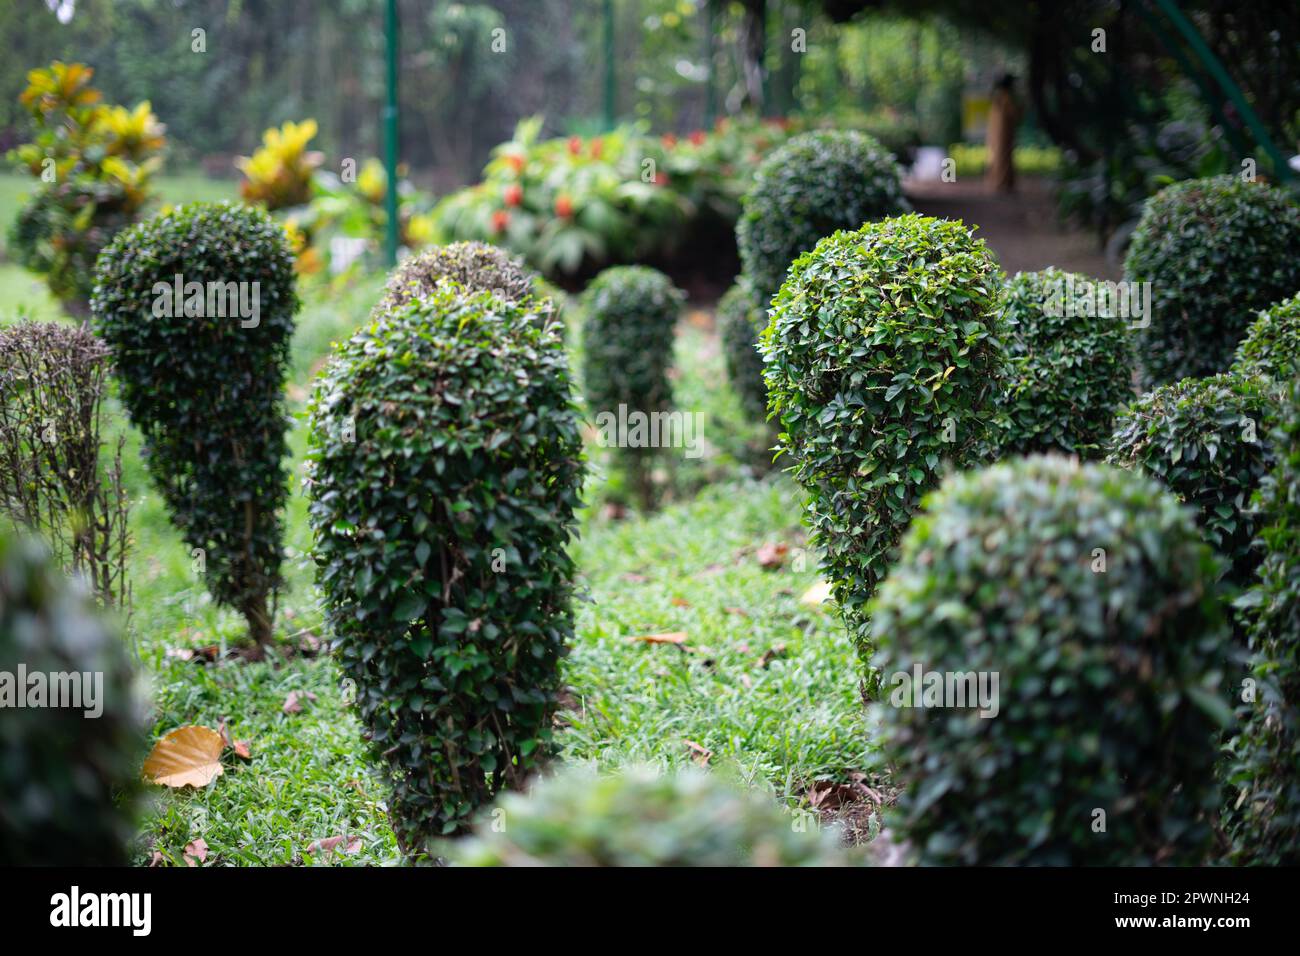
<point x="1088" y="592"/>
<point x="1215" y="251"/>
<point x="1207" y="440"/>
<point x="1262" y="818"/>
<point x="629" y="316"/>
<point x="68" y="780"/>
<point x="205" y="389"/>
<point x="1070" y="364"/>
<point x="445" y="467"/>
<point x="812" y="186"/>
<point x="882" y="362"/>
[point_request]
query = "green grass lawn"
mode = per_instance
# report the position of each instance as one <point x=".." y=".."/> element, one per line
<point x="766" y="684"/>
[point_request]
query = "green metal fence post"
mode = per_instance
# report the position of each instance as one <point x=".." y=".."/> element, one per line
<point x="610" y="91"/>
<point x="390" y="133"/>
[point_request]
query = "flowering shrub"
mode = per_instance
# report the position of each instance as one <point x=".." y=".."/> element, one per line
<point x="95" y="162"/>
<point x="569" y="203"/>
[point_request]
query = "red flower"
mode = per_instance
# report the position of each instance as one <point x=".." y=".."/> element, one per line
<point x="514" y="194"/>
<point x="697" y="138"/>
<point x="575" y="145"/>
<point x="669" y="140"/>
<point x="563" y="206"/>
<point x="500" y="219"/>
<point x="661" y="179"/>
<point x="516" y="162"/>
<point x="597" y="147"/>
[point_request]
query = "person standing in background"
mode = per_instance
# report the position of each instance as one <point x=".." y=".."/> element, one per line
<point x="1004" y="117"/>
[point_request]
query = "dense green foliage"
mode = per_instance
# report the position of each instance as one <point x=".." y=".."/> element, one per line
<point x="812" y="186"/>
<point x="1263" y="818"/>
<point x="629" y="313"/>
<point x="1070" y="368"/>
<point x="1207" y="441"/>
<point x="639" y="817"/>
<point x="1215" y="251"/>
<point x="1089" y="594"/>
<point x="740" y="323"/>
<point x="473" y="265"/>
<point x="203" y="379"/>
<point x="1271" y="348"/>
<point x="67" y="779"/>
<point x="445" y="469"/>
<point x="883" y="366"/>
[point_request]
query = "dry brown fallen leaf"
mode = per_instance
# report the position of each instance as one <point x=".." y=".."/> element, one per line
<point x="681" y="602"/>
<point x="156" y="858"/>
<point x="771" y="654"/>
<point x="293" y="703"/>
<point x="351" y="847"/>
<point x="772" y="555"/>
<point x="672" y="637"/>
<point x="739" y="611"/>
<point x="240" y="747"/>
<point x="702" y="753"/>
<point x="196" y="851"/>
<point x="186" y="757"/>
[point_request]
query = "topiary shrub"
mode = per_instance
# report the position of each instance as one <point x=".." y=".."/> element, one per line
<point x="445" y="467"/>
<point x="740" y="322"/>
<point x="1262" y="819"/>
<point x="67" y="779"/>
<point x="627" y="336"/>
<point x="1271" y="348"/>
<point x="1087" y="592"/>
<point x="1205" y="440"/>
<point x="808" y="188"/>
<point x="1070" y="367"/>
<point x="639" y="817"/>
<point x="202" y="376"/>
<point x="1215" y="251"/>
<point x="882" y="364"/>
<point x="473" y="265"/>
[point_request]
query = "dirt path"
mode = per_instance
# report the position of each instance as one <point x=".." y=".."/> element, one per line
<point x="1021" y="229"/>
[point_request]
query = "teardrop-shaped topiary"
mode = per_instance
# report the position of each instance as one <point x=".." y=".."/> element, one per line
<point x="1207" y="440"/>
<point x="1271" y="348"/>
<point x="1070" y="364"/>
<point x="1052" y="643"/>
<point x="882" y="362"/>
<point x="1215" y="251"/>
<point x="812" y="186"/>
<point x="197" y="306"/>
<point x="445" y="467"/>
<point x="639" y="817"/>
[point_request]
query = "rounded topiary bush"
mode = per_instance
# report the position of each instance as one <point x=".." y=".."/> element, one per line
<point x="882" y="364"/>
<point x="1088" y="594"/>
<point x="813" y="185"/>
<point x="1215" y="251"/>
<point x="627" y="337"/>
<point x="1262" y="818"/>
<point x="740" y="322"/>
<point x="1207" y="441"/>
<point x="202" y="376"/>
<point x="476" y="266"/>
<point x="445" y="467"/>
<point x="1070" y="365"/>
<point x="68" y="774"/>
<point x="1271" y="348"/>
<point x="639" y="817"/>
